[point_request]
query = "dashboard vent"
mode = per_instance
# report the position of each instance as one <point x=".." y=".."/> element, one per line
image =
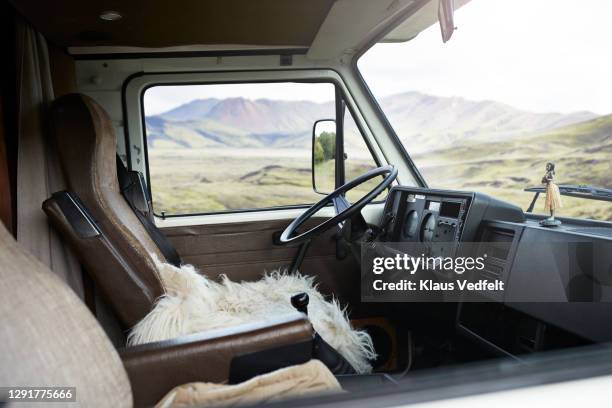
<point x="496" y="244"/>
<point x="491" y="271"/>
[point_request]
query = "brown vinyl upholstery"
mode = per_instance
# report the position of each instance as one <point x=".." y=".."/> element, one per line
<point x="119" y="283"/>
<point x="49" y="338"/>
<point x="86" y="143"/>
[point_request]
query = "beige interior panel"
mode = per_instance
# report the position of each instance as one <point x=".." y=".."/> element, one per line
<point x="244" y="251"/>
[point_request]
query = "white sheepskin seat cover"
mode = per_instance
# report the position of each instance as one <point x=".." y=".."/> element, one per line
<point x="193" y="303"/>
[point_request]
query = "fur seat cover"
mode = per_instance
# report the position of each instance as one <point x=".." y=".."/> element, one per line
<point x="193" y="303"/>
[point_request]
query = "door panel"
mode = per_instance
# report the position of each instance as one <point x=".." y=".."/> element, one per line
<point x="244" y="251"/>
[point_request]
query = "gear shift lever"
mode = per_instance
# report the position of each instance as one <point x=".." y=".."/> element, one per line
<point x="300" y="302"/>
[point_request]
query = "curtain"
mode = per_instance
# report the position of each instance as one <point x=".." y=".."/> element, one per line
<point x="6" y="215"/>
<point x="38" y="171"/>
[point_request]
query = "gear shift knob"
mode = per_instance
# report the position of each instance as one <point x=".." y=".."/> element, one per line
<point x="300" y="302"/>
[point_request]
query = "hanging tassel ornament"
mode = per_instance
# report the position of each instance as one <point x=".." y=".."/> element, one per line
<point x="553" y="197"/>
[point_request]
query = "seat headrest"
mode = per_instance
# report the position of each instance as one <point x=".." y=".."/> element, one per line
<point x="86" y="143"/>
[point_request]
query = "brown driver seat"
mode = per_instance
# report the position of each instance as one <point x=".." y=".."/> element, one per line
<point x="112" y="242"/>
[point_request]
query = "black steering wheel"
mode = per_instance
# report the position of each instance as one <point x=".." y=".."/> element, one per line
<point x="344" y="210"/>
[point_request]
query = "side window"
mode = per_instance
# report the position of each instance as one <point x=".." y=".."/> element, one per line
<point x="232" y="147"/>
<point x="227" y="147"/>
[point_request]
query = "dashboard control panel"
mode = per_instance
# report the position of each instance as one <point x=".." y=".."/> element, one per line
<point x="425" y="215"/>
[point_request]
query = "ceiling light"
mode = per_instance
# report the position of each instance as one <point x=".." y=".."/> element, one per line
<point x="110" y="15"/>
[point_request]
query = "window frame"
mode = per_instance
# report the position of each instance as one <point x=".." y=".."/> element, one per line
<point x="135" y="86"/>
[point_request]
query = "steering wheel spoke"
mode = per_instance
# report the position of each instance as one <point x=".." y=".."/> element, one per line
<point x="340" y="204"/>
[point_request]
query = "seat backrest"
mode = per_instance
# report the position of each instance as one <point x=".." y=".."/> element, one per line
<point x="86" y="144"/>
<point x="48" y="336"/>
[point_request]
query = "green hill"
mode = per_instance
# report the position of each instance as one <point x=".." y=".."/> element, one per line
<point x="581" y="153"/>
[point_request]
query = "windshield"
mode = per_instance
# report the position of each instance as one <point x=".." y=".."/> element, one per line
<point x="519" y="84"/>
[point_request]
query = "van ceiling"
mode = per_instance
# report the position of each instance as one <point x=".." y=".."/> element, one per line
<point x="163" y="23"/>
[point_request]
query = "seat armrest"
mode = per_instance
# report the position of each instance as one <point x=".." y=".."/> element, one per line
<point x="156" y="368"/>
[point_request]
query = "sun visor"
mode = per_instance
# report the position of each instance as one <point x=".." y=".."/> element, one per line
<point x="419" y="21"/>
<point x="352" y="24"/>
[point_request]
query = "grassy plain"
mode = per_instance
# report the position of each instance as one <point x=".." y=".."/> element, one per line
<point x="209" y="180"/>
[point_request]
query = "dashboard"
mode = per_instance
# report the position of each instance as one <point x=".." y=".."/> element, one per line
<point x="571" y="279"/>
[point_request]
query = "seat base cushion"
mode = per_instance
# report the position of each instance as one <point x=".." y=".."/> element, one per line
<point x="194" y="303"/>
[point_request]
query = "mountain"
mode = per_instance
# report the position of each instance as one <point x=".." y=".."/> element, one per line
<point x="237" y="122"/>
<point x="192" y="110"/>
<point x="423" y="122"/>
<point x="263" y="116"/>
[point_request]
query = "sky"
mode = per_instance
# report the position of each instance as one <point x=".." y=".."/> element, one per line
<point x="536" y="55"/>
<point x="161" y="99"/>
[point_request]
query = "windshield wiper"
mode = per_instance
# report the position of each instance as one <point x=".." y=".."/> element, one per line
<point x="580" y="191"/>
